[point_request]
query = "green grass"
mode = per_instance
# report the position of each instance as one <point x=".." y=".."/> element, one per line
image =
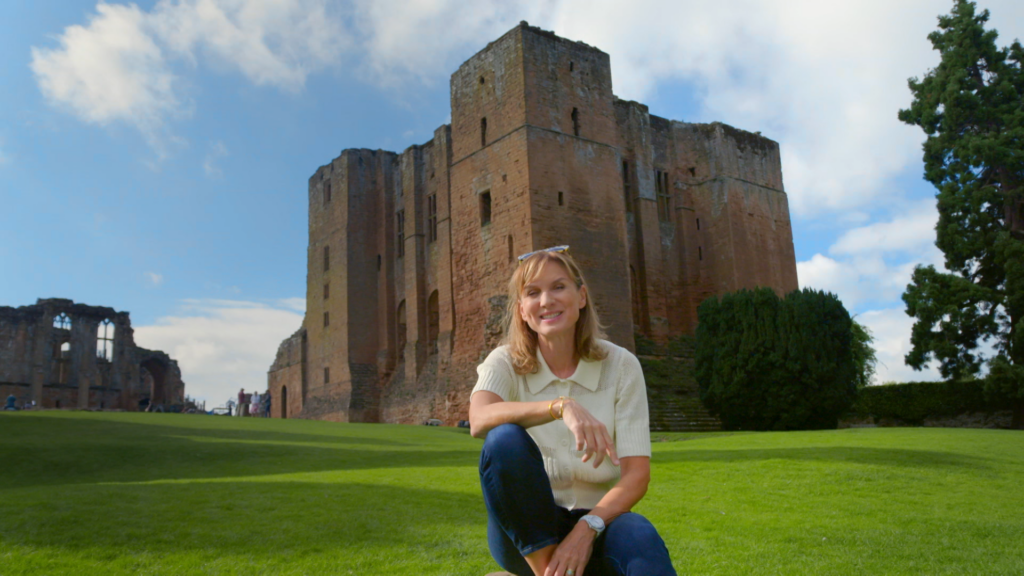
<point x="120" y="493"/>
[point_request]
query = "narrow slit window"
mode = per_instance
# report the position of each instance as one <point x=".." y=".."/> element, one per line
<point x="327" y="319"/>
<point x="327" y="258"/>
<point x="700" y="253"/>
<point x="511" y="251"/>
<point x="327" y="290"/>
<point x="698" y="223"/>
<point x="561" y="199"/>
<point x="576" y="121"/>
<point x="327" y="375"/>
<point x="400" y="223"/>
<point x="485" y="208"/>
<point x="431" y="218"/>
<point x="483" y="131"/>
<point x="627" y="193"/>
<point x="378" y="261"/>
<point x="571" y="66"/>
<point x="664" y="199"/>
<point x="327" y="191"/>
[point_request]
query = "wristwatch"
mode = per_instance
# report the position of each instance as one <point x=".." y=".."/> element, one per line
<point x="595" y="523"/>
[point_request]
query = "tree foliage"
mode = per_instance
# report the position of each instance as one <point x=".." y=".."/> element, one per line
<point x="768" y="363"/>
<point x="971" y="107"/>
<point x="864" y="356"/>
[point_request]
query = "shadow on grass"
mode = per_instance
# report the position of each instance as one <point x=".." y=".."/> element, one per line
<point x="280" y="520"/>
<point x="899" y="457"/>
<point x="51" y="451"/>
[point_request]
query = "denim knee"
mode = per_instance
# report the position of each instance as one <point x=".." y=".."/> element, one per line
<point x="506" y="438"/>
<point x="633" y="546"/>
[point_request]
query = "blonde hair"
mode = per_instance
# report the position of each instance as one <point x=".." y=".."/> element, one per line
<point x="522" y="340"/>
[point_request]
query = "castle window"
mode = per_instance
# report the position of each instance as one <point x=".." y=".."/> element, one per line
<point x="693" y="171"/>
<point x="433" y="322"/>
<point x="327" y="375"/>
<point x="626" y="192"/>
<point x="400" y="217"/>
<point x="700" y="253"/>
<point x="485" y="208"/>
<point x="481" y="80"/>
<point x="431" y="218"/>
<point x="483" y="131"/>
<point x="327" y="290"/>
<point x="105" y="340"/>
<point x="664" y="200"/>
<point x="570" y="66"/>
<point x="63" y="363"/>
<point x="378" y="262"/>
<point x="698" y="223"/>
<point x="575" y="121"/>
<point x="511" y="252"/>
<point x="327" y="191"/>
<point x="62" y="321"/>
<point x="327" y="258"/>
<point x="327" y="319"/>
<point x="561" y="200"/>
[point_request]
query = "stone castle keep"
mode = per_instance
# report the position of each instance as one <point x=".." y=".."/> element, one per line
<point x="65" y="355"/>
<point x="409" y="254"/>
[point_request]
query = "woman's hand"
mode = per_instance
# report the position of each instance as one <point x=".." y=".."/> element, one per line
<point x="573" y="553"/>
<point x="590" y="433"/>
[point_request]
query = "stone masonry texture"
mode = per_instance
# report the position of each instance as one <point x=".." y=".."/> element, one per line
<point x="410" y="254"/>
<point x="60" y="354"/>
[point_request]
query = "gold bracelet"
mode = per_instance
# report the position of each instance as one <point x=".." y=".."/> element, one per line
<point x="552" y="412"/>
<point x="561" y="406"/>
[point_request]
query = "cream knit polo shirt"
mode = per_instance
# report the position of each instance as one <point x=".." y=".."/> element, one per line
<point x="612" y="389"/>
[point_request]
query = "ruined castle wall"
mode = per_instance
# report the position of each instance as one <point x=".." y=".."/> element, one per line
<point x="737" y="192"/>
<point x="286" y="376"/>
<point x="575" y="182"/>
<point x="67" y="365"/>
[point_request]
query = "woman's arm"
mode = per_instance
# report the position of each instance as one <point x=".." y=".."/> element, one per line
<point x="575" y="549"/>
<point x="488" y="411"/>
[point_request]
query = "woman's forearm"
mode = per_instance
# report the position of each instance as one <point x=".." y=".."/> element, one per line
<point x="629" y="490"/>
<point x="485" y="417"/>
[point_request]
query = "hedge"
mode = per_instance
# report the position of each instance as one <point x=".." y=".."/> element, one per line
<point x="913" y="402"/>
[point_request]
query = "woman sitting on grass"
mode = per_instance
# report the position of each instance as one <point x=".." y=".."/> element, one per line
<point x="567" y="450"/>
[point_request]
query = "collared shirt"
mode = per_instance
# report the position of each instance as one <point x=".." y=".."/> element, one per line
<point x="612" y="389"/>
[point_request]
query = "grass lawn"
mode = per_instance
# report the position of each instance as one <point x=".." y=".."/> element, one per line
<point x="127" y="493"/>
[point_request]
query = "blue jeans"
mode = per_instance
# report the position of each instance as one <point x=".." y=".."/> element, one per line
<point x="522" y="516"/>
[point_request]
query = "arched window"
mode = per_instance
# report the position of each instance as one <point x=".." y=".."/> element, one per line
<point x="105" y="340"/>
<point x="433" y="322"/>
<point x="62" y="321"/>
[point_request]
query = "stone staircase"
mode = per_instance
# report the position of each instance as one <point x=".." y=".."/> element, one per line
<point x="673" y="397"/>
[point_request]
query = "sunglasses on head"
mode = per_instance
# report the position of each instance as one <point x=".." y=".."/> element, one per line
<point x="564" y="249"/>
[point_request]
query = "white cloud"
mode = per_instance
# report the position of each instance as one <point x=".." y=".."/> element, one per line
<point x="110" y="70"/>
<point x="118" y="67"/>
<point x="217" y="151"/>
<point x="891" y="329"/>
<point x="154" y="278"/>
<point x="222" y="345"/>
<point x="874" y="263"/>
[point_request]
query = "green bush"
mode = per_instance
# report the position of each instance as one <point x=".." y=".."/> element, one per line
<point x="769" y="363"/>
<point x="913" y="402"/>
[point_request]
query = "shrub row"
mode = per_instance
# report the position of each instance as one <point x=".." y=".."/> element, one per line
<point x="913" y="402"/>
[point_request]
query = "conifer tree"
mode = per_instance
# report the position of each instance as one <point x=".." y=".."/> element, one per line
<point x="971" y="106"/>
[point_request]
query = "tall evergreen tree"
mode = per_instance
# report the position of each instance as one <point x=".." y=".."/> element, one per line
<point x="971" y="106"/>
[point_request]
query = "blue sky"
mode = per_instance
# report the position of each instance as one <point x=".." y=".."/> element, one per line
<point x="154" y="156"/>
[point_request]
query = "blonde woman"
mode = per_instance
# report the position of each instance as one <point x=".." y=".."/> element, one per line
<point x="567" y="444"/>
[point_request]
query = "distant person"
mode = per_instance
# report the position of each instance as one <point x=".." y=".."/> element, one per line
<point x="266" y="404"/>
<point x="242" y="405"/>
<point x="11" y="401"/>
<point x="230" y="405"/>
<point x="254" y="406"/>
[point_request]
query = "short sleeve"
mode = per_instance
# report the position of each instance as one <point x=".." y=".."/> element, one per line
<point x="495" y="374"/>
<point x="632" y="421"/>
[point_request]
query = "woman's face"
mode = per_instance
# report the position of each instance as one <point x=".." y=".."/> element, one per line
<point x="551" y="303"/>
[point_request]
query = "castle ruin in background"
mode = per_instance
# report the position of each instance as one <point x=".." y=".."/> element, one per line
<point x="59" y="354"/>
<point x="409" y="254"/>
